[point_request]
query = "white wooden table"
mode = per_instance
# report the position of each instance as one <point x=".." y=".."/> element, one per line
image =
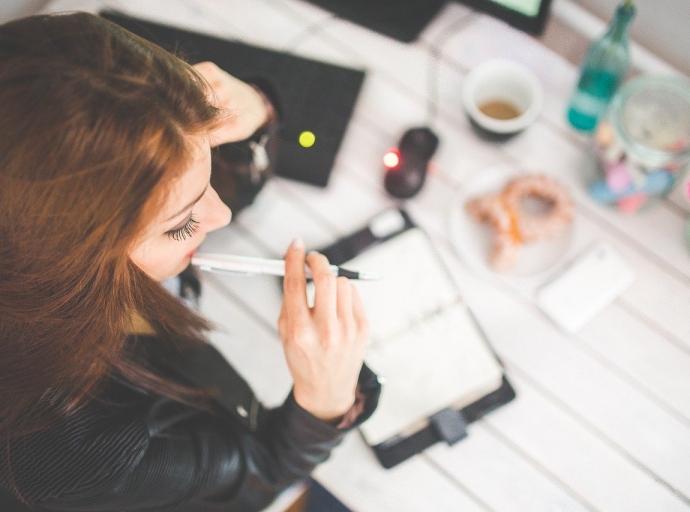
<point x="602" y="418"/>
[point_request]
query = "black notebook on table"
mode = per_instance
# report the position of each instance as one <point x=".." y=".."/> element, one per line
<point x="438" y="371"/>
<point x="314" y="96"/>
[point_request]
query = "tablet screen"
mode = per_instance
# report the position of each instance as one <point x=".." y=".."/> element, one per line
<point x="526" y="7"/>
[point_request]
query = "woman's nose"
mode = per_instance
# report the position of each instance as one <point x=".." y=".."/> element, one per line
<point x="218" y="214"/>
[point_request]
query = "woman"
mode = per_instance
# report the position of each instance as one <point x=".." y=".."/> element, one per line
<point x="109" y="397"/>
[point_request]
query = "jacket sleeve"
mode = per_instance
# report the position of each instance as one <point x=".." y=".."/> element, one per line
<point x="207" y="461"/>
<point x="162" y="455"/>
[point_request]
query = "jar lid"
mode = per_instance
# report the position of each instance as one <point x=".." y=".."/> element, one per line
<point x="652" y="115"/>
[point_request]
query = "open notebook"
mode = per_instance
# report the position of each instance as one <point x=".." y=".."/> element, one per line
<point x="438" y="370"/>
<point x="425" y="344"/>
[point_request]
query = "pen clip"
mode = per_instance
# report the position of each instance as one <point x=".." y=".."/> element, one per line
<point x="227" y="272"/>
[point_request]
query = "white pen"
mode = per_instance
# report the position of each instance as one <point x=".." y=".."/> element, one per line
<point x="250" y="266"/>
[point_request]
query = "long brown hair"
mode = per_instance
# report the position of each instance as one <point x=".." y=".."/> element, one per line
<point x="95" y="124"/>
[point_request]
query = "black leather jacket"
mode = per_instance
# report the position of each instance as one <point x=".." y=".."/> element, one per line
<point x="131" y="450"/>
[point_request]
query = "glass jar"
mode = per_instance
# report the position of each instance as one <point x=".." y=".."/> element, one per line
<point x="642" y="146"/>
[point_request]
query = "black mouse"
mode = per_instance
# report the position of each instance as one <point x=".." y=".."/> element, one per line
<point x="406" y="176"/>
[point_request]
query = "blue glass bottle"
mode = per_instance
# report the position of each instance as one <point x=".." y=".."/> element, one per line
<point x="605" y="66"/>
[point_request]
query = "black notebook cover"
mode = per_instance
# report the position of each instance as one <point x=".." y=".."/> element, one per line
<point x="398" y="448"/>
<point x="314" y="96"/>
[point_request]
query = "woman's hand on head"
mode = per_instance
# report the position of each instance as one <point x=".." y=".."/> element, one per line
<point x="324" y="345"/>
<point x="244" y="108"/>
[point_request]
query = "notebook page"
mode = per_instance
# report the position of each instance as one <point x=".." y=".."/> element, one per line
<point x="413" y="283"/>
<point x="444" y="361"/>
<point x="424" y="342"/>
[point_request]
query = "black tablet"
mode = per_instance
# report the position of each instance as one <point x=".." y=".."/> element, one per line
<point x="527" y="15"/>
<point x="400" y="19"/>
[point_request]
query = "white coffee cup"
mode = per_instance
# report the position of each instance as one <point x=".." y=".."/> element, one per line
<point x="494" y="86"/>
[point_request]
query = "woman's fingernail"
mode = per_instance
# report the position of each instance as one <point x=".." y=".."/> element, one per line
<point x="297" y="243"/>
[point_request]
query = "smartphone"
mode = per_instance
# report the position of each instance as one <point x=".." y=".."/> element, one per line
<point x="587" y="285"/>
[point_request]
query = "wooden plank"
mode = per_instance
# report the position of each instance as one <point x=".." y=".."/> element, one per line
<point x="600" y="474"/>
<point x="500" y="477"/>
<point x="643" y="355"/>
<point x="344" y="205"/>
<point x="356" y="478"/>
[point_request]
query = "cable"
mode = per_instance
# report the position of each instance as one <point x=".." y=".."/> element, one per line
<point x="436" y="52"/>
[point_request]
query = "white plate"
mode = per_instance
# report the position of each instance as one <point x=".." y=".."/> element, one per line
<point x="472" y="239"/>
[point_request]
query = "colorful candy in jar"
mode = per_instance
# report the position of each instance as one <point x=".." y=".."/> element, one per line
<point x="643" y="146"/>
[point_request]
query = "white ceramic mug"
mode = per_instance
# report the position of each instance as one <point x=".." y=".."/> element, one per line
<point x="507" y="81"/>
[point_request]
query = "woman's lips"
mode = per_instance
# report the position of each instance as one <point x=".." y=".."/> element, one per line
<point x="189" y="256"/>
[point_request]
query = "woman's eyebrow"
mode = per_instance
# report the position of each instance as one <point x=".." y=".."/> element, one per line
<point x="192" y="203"/>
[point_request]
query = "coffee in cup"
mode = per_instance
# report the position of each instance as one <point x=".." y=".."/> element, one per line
<point x="501" y="98"/>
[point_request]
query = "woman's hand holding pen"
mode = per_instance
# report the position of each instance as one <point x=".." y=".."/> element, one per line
<point x="324" y="345"/>
<point x="245" y="109"/>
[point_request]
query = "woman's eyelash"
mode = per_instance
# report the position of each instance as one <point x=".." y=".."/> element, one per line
<point x="187" y="230"/>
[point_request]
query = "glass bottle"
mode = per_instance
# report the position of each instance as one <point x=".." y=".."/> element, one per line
<point x="687" y="225"/>
<point x="603" y="69"/>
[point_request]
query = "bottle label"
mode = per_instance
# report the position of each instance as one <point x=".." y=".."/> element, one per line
<point x="587" y="104"/>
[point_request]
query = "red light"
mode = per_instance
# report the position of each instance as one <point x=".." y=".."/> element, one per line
<point x="391" y="159"/>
